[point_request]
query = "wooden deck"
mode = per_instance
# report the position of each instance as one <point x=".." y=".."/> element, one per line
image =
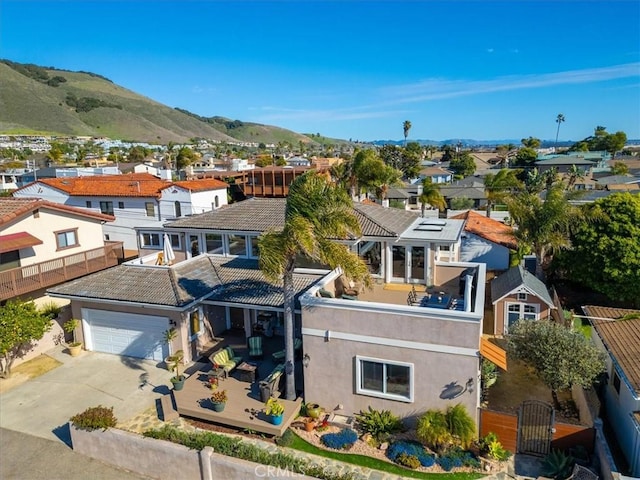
<point x="243" y="410"/>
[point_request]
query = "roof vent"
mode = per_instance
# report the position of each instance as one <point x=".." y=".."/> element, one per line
<point x="428" y="228"/>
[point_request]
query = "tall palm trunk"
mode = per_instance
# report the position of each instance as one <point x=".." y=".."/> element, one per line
<point x="289" y="327"/>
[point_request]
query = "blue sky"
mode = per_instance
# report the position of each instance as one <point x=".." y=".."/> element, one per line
<point x="356" y="69"/>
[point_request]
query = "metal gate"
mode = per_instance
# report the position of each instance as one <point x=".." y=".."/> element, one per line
<point x="535" y="427"/>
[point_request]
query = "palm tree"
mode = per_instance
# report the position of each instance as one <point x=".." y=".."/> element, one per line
<point x="559" y="120"/>
<point x="544" y="226"/>
<point x="573" y="175"/>
<point x="498" y="186"/>
<point x="406" y="126"/>
<point x="431" y="195"/>
<point x="317" y="211"/>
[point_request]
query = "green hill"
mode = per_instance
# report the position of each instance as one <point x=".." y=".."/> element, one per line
<point x="38" y="100"/>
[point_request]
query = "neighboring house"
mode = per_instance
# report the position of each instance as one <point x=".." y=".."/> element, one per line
<point x="298" y="161"/>
<point x="517" y="294"/>
<point x="620" y="339"/>
<point x="135" y="200"/>
<point x="44" y="243"/>
<point x="563" y="164"/>
<point x="486" y="241"/>
<point x="475" y="193"/>
<point x="436" y="174"/>
<point x="619" y="182"/>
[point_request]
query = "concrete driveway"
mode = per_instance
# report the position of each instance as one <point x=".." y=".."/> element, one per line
<point x="42" y="406"/>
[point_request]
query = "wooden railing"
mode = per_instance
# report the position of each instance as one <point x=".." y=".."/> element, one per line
<point x="22" y="280"/>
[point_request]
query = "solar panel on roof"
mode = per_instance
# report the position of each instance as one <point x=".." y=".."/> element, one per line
<point x="428" y="228"/>
<point x="441" y="223"/>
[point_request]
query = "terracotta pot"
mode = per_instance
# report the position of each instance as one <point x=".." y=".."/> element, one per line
<point x="309" y="425"/>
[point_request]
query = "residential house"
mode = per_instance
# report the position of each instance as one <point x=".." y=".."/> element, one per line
<point x="486" y="241"/>
<point x="518" y="294"/>
<point x="436" y="174"/>
<point x="44" y="244"/>
<point x="135" y="200"/>
<point x="373" y="347"/>
<point x="563" y="163"/>
<point x="620" y="339"/>
<point x="618" y="182"/>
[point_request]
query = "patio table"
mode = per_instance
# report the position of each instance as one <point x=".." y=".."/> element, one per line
<point x="436" y="301"/>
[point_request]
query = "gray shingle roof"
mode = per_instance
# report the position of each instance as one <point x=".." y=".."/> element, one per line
<point x="175" y="287"/>
<point x="243" y="282"/>
<point x="262" y="214"/>
<point x="228" y="280"/>
<point x="515" y="277"/>
<point x="565" y="160"/>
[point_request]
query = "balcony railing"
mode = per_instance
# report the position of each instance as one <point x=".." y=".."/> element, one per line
<point x="22" y="280"/>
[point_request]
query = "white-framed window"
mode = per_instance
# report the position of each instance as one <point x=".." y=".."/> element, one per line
<point x="522" y="297"/>
<point x="150" y="209"/>
<point x="516" y="311"/>
<point x="150" y="240"/>
<point x="253" y="248"/>
<point x="237" y="245"/>
<point x="195" y="323"/>
<point x="615" y="381"/>
<point x="175" y="241"/>
<point x="213" y="244"/>
<point x="384" y="378"/>
<point x="67" y="239"/>
<point x="178" y="209"/>
<point x="106" y="208"/>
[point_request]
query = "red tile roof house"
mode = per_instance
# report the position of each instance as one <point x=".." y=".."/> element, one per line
<point x="620" y="339"/>
<point x="486" y="240"/>
<point x="135" y="200"/>
<point x="351" y="341"/>
<point x="44" y="244"/>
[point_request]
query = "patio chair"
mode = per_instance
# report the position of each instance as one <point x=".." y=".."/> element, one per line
<point x="279" y="355"/>
<point x="255" y="347"/>
<point x="582" y="473"/>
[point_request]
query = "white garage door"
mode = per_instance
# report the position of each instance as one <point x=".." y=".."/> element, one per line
<point x="139" y="336"/>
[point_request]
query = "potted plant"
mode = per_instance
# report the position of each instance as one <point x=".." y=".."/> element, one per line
<point x="219" y="399"/>
<point x="275" y="410"/>
<point x="70" y="326"/>
<point x="309" y="424"/>
<point x="314" y="410"/>
<point x="174" y="361"/>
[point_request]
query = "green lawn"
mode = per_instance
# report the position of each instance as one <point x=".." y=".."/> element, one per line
<point x="373" y="463"/>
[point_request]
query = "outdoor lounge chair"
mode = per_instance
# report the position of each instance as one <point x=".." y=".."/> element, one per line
<point x="255" y="347"/>
<point x="279" y="355"/>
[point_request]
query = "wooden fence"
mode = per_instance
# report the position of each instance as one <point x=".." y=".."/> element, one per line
<point x="505" y="426"/>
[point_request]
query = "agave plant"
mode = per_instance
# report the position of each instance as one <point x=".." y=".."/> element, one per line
<point x="557" y="465"/>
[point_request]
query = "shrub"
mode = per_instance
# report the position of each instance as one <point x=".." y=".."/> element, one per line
<point x="409" y="461"/>
<point x="433" y="429"/>
<point x="497" y="452"/>
<point x="95" y="418"/>
<point x="412" y="449"/>
<point x="457" y="457"/>
<point x="344" y="439"/>
<point x="50" y="309"/>
<point x="461" y="426"/>
<point x="557" y="465"/>
<point x="286" y="439"/>
<point x="378" y="423"/>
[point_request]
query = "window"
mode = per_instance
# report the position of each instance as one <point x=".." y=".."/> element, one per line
<point x="88" y="203"/>
<point x="195" y="248"/>
<point x="254" y="247"/>
<point x="213" y="243"/>
<point x="150" y="240"/>
<point x="616" y="381"/>
<point x="522" y="297"/>
<point x="178" y="209"/>
<point x="36" y="213"/>
<point x="216" y="201"/>
<point x="195" y="324"/>
<point x="121" y="205"/>
<point x="385" y="379"/>
<point x="516" y="311"/>
<point x="67" y="239"/>
<point x="150" y="208"/>
<point x="237" y="245"/>
<point x="175" y="240"/>
<point x="106" y="208"/>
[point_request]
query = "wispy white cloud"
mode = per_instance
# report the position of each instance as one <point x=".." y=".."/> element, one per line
<point x="277" y="114"/>
<point x="436" y="88"/>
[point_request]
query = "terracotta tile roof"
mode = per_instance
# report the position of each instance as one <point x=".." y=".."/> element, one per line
<point x="613" y="313"/>
<point x="127" y="185"/>
<point x="488" y="228"/>
<point x="622" y="339"/>
<point x="201" y="185"/>
<point x="13" y="208"/>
